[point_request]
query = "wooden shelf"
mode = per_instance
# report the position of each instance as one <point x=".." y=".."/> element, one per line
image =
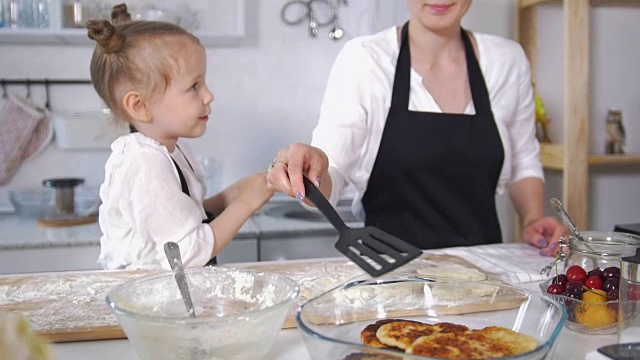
<point x="552" y="157"/>
<point x="616" y="3"/>
<point x="615" y="160"/>
<point x="224" y="23"/>
<point x="604" y="3"/>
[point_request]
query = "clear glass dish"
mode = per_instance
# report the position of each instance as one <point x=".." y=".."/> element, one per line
<point x="239" y="313"/>
<point x="587" y="317"/>
<point x="331" y="324"/>
<point x="41" y="203"/>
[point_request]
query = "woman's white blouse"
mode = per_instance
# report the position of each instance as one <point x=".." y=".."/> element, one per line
<point x="358" y="96"/>
<point x="143" y="206"/>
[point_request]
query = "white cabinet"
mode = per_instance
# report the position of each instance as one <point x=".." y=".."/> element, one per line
<point x="215" y="22"/>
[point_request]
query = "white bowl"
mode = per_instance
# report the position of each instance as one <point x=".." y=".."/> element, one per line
<point x="239" y="313"/>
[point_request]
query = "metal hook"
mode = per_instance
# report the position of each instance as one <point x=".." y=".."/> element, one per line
<point x="28" y="82"/>
<point x="4" y="88"/>
<point x="47" y="105"/>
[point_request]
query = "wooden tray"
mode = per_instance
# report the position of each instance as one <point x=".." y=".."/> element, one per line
<point x="71" y="306"/>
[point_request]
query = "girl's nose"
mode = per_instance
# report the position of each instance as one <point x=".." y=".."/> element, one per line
<point x="208" y="96"/>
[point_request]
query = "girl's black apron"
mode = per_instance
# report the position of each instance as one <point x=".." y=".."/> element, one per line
<point x="434" y="178"/>
<point x="185" y="190"/>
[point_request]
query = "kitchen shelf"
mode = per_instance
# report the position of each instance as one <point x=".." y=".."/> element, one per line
<point x="225" y="25"/>
<point x="523" y="4"/>
<point x="552" y="157"/>
<point x="572" y="155"/>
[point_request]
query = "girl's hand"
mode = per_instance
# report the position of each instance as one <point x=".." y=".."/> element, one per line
<point x="286" y="170"/>
<point x="254" y="191"/>
<point x="544" y="234"/>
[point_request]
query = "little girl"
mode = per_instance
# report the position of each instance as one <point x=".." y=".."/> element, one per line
<point x="152" y="75"/>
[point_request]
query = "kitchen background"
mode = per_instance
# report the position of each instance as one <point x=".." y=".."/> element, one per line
<point x="269" y="88"/>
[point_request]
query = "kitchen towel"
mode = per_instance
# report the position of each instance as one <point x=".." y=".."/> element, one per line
<point x="42" y="136"/>
<point x="18" y="121"/>
<point x="513" y="263"/>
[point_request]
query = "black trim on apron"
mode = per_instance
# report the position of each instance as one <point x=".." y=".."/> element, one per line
<point x="185" y="190"/>
<point x="434" y="178"/>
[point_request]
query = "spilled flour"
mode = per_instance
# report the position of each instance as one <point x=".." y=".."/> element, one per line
<point x="75" y="302"/>
<point x="63" y="302"/>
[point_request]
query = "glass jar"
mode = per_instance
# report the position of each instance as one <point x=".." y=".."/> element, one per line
<point x="629" y="300"/>
<point x="599" y="250"/>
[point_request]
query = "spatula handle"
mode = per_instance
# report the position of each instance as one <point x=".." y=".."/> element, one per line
<point x="317" y="198"/>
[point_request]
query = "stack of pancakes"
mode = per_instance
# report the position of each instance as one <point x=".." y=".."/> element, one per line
<point x="443" y="340"/>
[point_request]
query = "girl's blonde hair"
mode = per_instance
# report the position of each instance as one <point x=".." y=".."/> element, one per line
<point x="132" y="55"/>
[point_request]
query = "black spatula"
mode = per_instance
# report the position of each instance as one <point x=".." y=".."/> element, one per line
<point x="372" y="249"/>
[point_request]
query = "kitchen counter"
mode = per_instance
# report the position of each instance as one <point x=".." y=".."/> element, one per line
<point x="289" y="344"/>
<point x="26" y="247"/>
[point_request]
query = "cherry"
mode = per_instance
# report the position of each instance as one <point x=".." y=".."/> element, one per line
<point x="611" y="271"/>
<point x="576" y="272"/>
<point x="613" y="294"/>
<point x="595" y="272"/>
<point x="611" y="283"/>
<point x="560" y="279"/>
<point x="594" y="283"/>
<point x="555" y="289"/>
<point x="634" y="292"/>
<point x="574" y="284"/>
<point x="574" y="292"/>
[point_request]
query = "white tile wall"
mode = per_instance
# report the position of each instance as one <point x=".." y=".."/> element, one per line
<point x="267" y="94"/>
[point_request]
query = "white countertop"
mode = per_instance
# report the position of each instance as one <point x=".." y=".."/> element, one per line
<point x="22" y="233"/>
<point x="289" y="344"/>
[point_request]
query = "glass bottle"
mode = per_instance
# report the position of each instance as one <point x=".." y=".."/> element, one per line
<point x="629" y="299"/>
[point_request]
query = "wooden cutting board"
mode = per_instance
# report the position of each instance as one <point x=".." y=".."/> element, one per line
<point x="71" y="306"/>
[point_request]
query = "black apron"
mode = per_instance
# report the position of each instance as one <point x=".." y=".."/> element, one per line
<point x="185" y="190"/>
<point x="434" y="178"/>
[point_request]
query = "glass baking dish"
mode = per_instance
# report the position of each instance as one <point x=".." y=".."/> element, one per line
<point x="331" y="323"/>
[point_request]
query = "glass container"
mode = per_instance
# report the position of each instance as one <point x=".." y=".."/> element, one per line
<point x="331" y="324"/>
<point x="600" y="249"/>
<point x="238" y="313"/>
<point x="629" y="309"/>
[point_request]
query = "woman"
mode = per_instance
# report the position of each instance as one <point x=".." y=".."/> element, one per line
<point x="428" y="121"/>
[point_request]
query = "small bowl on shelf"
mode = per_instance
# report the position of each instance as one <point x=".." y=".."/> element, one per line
<point x="593" y="318"/>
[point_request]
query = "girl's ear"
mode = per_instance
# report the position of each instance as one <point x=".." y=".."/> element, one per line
<point x="136" y="107"/>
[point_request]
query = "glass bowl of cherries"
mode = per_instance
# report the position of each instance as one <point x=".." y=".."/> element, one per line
<point x="589" y="296"/>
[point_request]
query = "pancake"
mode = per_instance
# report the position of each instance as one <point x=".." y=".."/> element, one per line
<point x="368" y="335"/>
<point x="517" y="342"/>
<point x="490" y="342"/>
<point x="442" y="340"/>
<point x="402" y="333"/>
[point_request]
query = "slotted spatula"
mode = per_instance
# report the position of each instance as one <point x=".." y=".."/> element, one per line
<point x="372" y="249"/>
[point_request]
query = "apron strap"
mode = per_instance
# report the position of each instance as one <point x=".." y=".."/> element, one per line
<point x="401" y="82"/>
<point x="185" y="190"/>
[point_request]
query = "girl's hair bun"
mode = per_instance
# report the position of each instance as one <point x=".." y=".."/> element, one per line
<point x="106" y="35"/>
<point x="120" y="14"/>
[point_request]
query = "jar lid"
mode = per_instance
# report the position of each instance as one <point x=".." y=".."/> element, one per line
<point x="629" y="267"/>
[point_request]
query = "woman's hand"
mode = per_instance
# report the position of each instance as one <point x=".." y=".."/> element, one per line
<point x="544" y="233"/>
<point x="286" y="170"/>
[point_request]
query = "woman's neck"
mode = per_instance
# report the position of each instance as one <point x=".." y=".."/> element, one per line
<point x="435" y="47"/>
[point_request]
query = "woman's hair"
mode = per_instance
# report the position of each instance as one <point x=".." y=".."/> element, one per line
<point x="132" y="55"/>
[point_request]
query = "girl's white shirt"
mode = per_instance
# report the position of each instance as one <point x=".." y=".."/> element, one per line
<point x="358" y="96"/>
<point x="143" y="206"/>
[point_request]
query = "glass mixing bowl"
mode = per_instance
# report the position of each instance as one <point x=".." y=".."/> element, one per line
<point x="331" y="324"/>
<point x="41" y="203"/>
<point x="239" y="313"/>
